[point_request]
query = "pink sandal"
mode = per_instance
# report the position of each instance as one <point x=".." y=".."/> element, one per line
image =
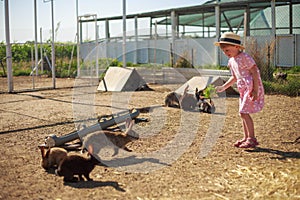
<point x="239" y="142"/>
<point x="249" y="143"/>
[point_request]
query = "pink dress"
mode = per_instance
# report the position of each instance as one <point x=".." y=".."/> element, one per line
<point x="240" y="66"/>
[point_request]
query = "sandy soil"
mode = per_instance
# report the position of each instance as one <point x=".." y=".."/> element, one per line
<point x="199" y="162"/>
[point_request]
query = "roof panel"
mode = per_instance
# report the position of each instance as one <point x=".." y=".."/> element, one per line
<point x="204" y="15"/>
<point x="234" y="17"/>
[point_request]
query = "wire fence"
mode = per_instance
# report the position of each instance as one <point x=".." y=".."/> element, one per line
<point x="40" y="69"/>
<point x="274" y="57"/>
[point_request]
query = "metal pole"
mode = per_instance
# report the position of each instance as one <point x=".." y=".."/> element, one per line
<point x="53" y="48"/>
<point x="273" y="17"/>
<point x="173" y="24"/>
<point x="41" y="50"/>
<point x="248" y="17"/>
<point x="166" y="27"/>
<point x="136" y="39"/>
<point x="80" y="31"/>
<point x="35" y="40"/>
<point x="107" y="37"/>
<point x="291" y="18"/>
<point x="8" y="50"/>
<point x="245" y="27"/>
<point x="273" y="34"/>
<point x="32" y="68"/>
<point x="97" y="49"/>
<point x="77" y="35"/>
<point x="218" y="33"/>
<point x="203" y="27"/>
<point x="150" y="27"/>
<point x="155" y="40"/>
<point x="124" y="33"/>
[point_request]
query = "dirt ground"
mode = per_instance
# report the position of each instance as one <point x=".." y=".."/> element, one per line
<point x="270" y="171"/>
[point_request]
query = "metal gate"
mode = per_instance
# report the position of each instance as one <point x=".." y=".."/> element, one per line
<point x="285" y="50"/>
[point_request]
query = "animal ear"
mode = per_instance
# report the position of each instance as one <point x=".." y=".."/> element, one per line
<point x="129" y="125"/>
<point x="42" y="148"/>
<point x="90" y="149"/>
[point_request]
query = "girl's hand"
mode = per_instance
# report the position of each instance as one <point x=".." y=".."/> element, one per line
<point x="253" y="95"/>
<point x="219" y="88"/>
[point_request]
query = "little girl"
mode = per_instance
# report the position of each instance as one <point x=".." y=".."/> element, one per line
<point x="247" y="76"/>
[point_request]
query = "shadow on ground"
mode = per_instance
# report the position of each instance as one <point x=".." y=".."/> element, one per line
<point x="280" y="154"/>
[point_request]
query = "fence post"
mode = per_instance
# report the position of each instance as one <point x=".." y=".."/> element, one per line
<point x="273" y="17"/>
<point x="35" y="40"/>
<point x="53" y="48"/>
<point x="8" y="50"/>
<point x="217" y="17"/>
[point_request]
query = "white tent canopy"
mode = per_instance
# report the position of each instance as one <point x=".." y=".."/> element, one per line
<point x="118" y="79"/>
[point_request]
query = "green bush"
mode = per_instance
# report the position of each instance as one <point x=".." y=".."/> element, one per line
<point x="114" y="62"/>
<point x="294" y="70"/>
<point x="222" y="67"/>
<point x="182" y="62"/>
<point x="289" y="87"/>
<point x="129" y="64"/>
<point x="21" y="72"/>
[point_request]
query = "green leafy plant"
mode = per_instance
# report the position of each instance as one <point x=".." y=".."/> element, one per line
<point x="209" y="91"/>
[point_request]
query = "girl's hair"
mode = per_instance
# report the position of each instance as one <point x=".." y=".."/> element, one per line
<point x="224" y="45"/>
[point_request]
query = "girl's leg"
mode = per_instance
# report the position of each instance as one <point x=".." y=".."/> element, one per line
<point x="249" y="131"/>
<point x="246" y="134"/>
<point x="248" y="125"/>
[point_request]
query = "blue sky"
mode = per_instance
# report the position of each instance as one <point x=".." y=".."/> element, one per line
<point x="22" y="16"/>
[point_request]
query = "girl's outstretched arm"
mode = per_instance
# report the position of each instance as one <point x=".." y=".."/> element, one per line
<point x="226" y="85"/>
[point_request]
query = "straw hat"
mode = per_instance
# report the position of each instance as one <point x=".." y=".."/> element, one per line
<point x="230" y="38"/>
